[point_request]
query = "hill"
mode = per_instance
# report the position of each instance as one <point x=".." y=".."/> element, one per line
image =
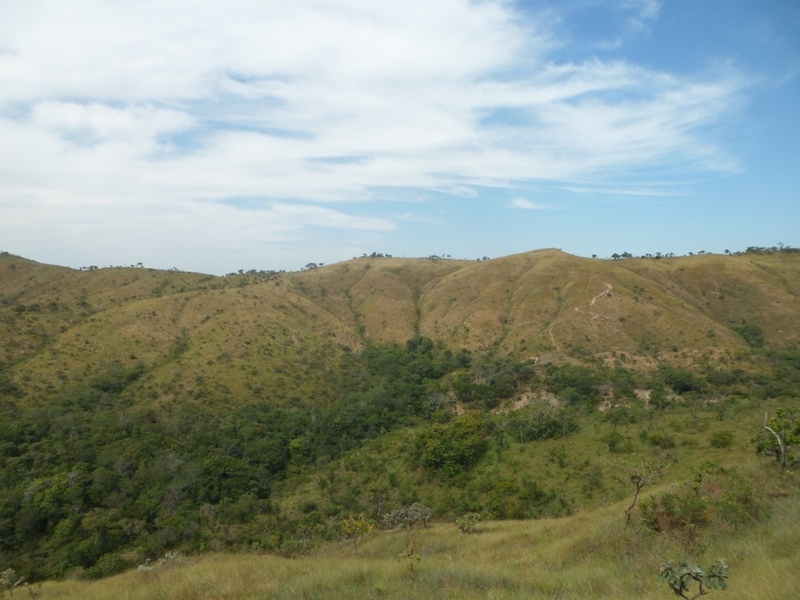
<point x="145" y="411"/>
<point x="243" y="334"/>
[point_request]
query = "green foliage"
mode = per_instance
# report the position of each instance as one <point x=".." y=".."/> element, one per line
<point x="661" y="440"/>
<point x="681" y="380"/>
<point x="779" y="437"/>
<point x="523" y="499"/>
<point x="751" y="332"/>
<point x="683" y="576"/>
<point x="386" y="387"/>
<point x="723" y="497"/>
<point x="95" y="480"/>
<point x="9" y="388"/>
<point x="452" y="448"/>
<point x="617" y="442"/>
<point x="408" y="516"/>
<point x="355" y="527"/>
<point x="721" y="439"/>
<point x="538" y="422"/>
<point x="489" y="380"/>
<point x="575" y="384"/>
<point x="466" y="523"/>
<point x="676" y="512"/>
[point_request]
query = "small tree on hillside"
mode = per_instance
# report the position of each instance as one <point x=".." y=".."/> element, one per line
<point x="355" y="527"/>
<point x="407" y="516"/>
<point x="779" y="436"/>
<point x="641" y="476"/>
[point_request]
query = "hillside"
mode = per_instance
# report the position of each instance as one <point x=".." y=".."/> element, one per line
<point x="246" y="333"/>
<point x="145" y="411"/>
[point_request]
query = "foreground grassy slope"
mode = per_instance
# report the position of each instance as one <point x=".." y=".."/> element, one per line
<point x="587" y="556"/>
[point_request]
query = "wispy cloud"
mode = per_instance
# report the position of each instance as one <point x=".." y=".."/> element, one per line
<point x="125" y="108"/>
<point x="644" y="12"/>
<point x="526" y="204"/>
<point x="666" y="191"/>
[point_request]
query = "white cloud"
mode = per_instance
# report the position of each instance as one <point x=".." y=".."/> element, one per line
<point x="123" y="109"/>
<point x="526" y="204"/>
<point x="644" y="12"/>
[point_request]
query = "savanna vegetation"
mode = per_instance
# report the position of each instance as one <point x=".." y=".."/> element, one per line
<point x="343" y="441"/>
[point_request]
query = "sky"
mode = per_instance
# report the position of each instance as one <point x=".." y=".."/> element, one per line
<point x="215" y="136"/>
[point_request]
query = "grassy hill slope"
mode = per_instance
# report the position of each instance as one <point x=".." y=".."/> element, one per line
<point x="251" y="333"/>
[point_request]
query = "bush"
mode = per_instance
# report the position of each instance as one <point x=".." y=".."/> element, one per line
<point x="409" y="515"/>
<point x="468" y="522"/>
<point x="663" y="441"/>
<point x="721" y="439"/>
<point x="725" y="498"/>
<point x="681" y="380"/>
<point x="452" y="448"/>
<point x="617" y="443"/>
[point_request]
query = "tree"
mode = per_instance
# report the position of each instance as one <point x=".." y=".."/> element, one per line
<point x="452" y="448"/>
<point x="354" y="528"/>
<point x="408" y="515"/>
<point x="643" y="475"/>
<point x="779" y="435"/>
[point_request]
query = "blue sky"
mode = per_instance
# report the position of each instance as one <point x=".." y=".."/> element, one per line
<point x="215" y="136"/>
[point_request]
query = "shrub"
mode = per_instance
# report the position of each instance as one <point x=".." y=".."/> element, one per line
<point x="663" y="441"/>
<point x="675" y="511"/>
<point x="726" y="498"/>
<point x="468" y="522"/>
<point x="407" y="516"/>
<point x="721" y="439"/>
<point x="354" y="528"/>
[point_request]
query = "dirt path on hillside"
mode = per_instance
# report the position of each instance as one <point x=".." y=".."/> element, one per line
<point x="583" y="307"/>
<point x="605" y="292"/>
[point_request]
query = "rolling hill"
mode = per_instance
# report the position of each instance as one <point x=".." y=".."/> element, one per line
<point x="146" y="411"/>
<point x="246" y="333"/>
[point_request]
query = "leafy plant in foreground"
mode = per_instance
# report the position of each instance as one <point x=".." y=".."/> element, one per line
<point x="682" y="577"/>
